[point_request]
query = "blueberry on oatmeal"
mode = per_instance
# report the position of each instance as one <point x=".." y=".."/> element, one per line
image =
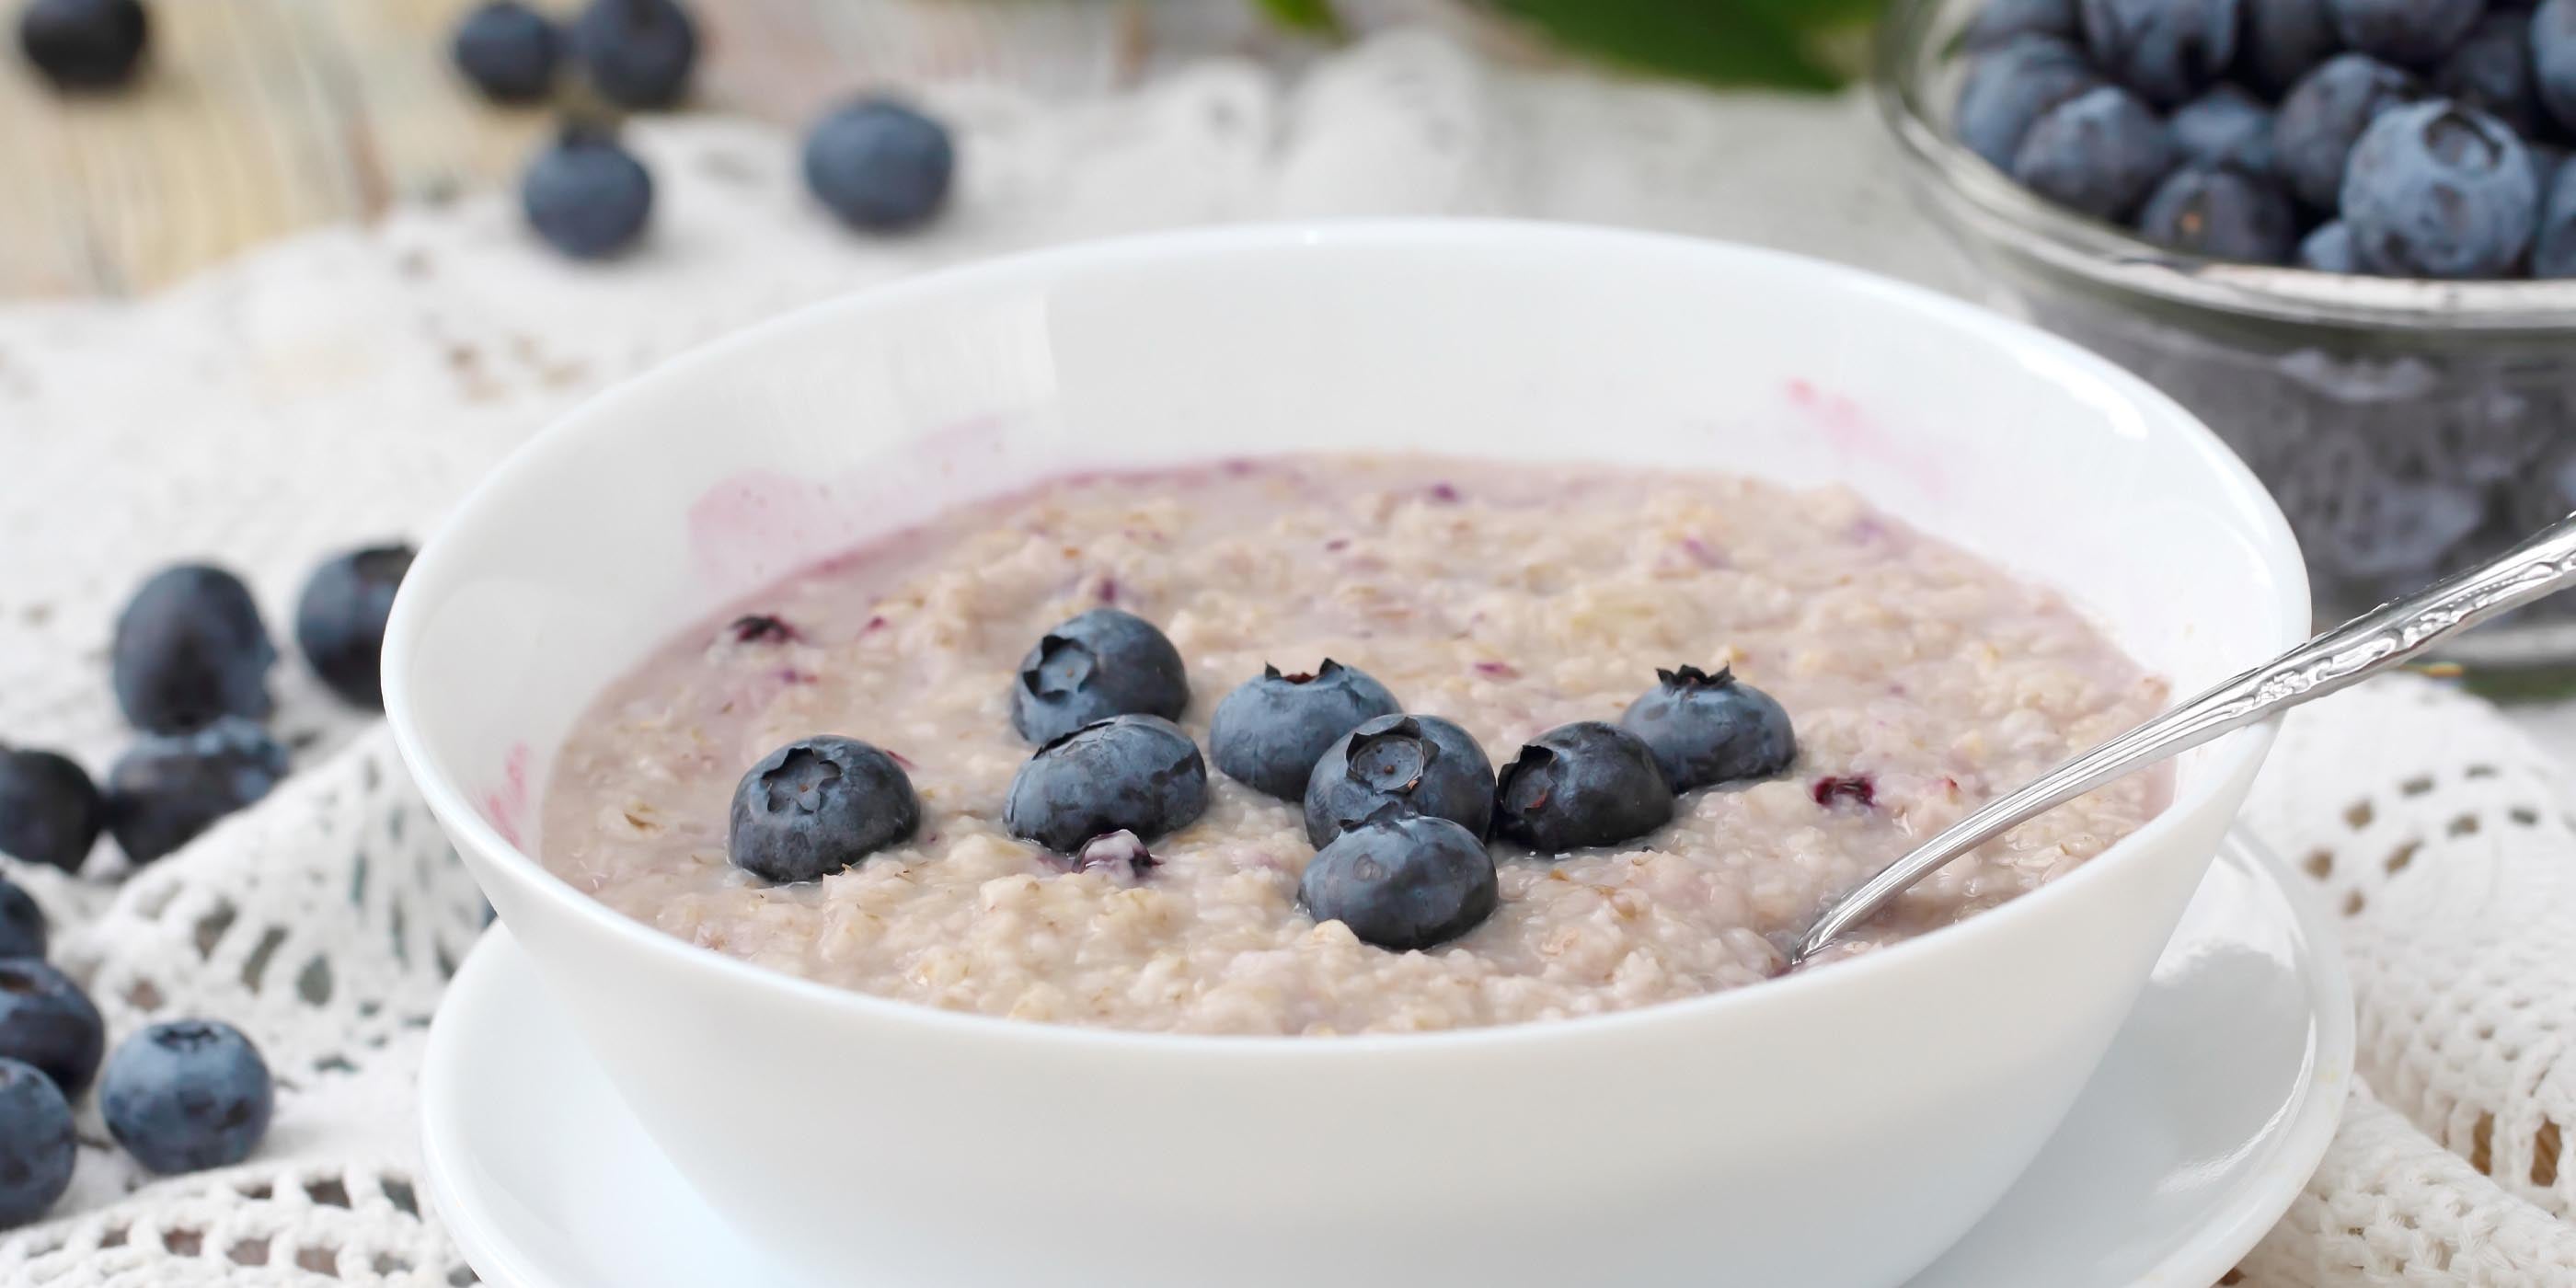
<point x="1271" y="730"/>
<point x="50" y="811"/>
<point x="37" y="1147"/>
<point x="187" y="1095"/>
<point x="816" y="806"/>
<point x="1402" y="881"/>
<point x="1129" y="773"/>
<point x="1581" y="785"/>
<point x="190" y="647"/>
<point x="47" y="1021"/>
<point x="1423" y="764"/>
<point x="1106" y="662"/>
<point x="1708" y="729"/>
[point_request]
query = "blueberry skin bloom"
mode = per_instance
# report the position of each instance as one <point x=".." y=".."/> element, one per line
<point x="164" y="791"/>
<point x="2553" y="252"/>
<point x="190" y="647"/>
<point x="1412" y="764"/>
<point x="47" y="1021"/>
<point x="879" y="165"/>
<point x="2324" y="115"/>
<point x="2012" y="85"/>
<point x="37" y="1148"/>
<point x="638" y="53"/>
<point x="1402" y="882"/>
<point x="508" y="50"/>
<point x="2220" y="212"/>
<point x="50" y="811"/>
<point x="1578" y="786"/>
<point x="2329" y="249"/>
<point x="186" y="1096"/>
<point x="1271" y="730"/>
<point x="586" y="196"/>
<point x="2491" y="70"/>
<point x="2413" y="32"/>
<point x="2553" y="59"/>
<point x="1133" y="773"/>
<point x="340" y="620"/>
<point x="2282" y="40"/>
<point x="1706" y="729"/>
<point x="2225" y="126"/>
<point x="2167" y="50"/>
<point x="22" y="923"/>
<point x="816" y="806"/>
<point x="2099" y="152"/>
<point x="2436" y="190"/>
<point x="1103" y="663"/>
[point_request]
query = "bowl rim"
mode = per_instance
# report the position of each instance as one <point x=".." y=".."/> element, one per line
<point x="438" y="565"/>
<point x="1917" y="38"/>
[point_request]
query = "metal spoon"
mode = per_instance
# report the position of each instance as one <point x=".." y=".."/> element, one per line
<point x="2366" y="645"/>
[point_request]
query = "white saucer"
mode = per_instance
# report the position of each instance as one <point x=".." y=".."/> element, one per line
<point x="2208" y="1115"/>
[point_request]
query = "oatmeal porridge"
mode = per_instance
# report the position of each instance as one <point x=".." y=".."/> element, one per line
<point x="1467" y="610"/>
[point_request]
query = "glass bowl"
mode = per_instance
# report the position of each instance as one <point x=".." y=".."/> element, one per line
<point x="2407" y="427"/>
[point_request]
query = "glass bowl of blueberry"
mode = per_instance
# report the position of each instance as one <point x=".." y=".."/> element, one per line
<point x="2338" y="230"/>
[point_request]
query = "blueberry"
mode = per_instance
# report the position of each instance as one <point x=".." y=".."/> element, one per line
<point x="50" y="812"/>
<point x="2491" y="70"/>
<point x="83" y="44"/>
<point x="2329" y="249"/>
<point x="2323" y="117"/>
<point x="1103" y="663"/>
<point x="1402" y="882"/>
<point x="2546" y="161"/>
<point x="2282" y="40"/>
<point x="2164" y="49"/>
<point x="2220" y="212"/>
<point x="508" y="50"/>
<point x="2226" y="126"/>
<point x="586" y="195"/>
<point x="2099" y="152"/>
<point x="816" y="806"/>
<point x="340" y="620"/>
<point x="2013" y="84"/>
<point x="190" y="647"/>
<point x="2553" y="252"/>
<point x="166" y="789"/>
<point x="22" y="923"/>
<point x="1422" y="763"/>
<point x="879" y="165"/>
<point x="2412" y="32"/>
<point x="2001" y="20"/>
<point x="2438" y="190"/>
<point x="637" y="53"/>
<point x="187" y="1095"/>
<point x="1581" y="785"/>
<point x="37" y="1148"/>
<point x="1271" y="730"/>
<point x="48" y="1022"/>
<point x="2553" y="59"/>
<point x="1707" y="729"/>
<point x="1129" y="773"/>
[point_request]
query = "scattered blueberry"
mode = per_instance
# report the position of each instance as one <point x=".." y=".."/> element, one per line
<point x="879" y="165"/>
<point x="1708" y="729"/>
<point x="22" y="923"/>
<point x="168" y="788"/>
<point x="48" y="1022"/>
<point x="586" y="195"/>
<point x="340" y="621"/>
<point x="2553" y="252"/>
<point x="508" y="50"/>
<point x="2012" y="85"/>
<point x="2001" y="20"/>
<point x="186" y="1096"/>
<point x="2226" y="126"/>
<point x="2220" y="212"/>
<point x="190" y="647"/>
<point x="817" y="806"/>
<point x="2166" y="50"/>
<point x="1128" y="773"/>
<point x="1402" y="882"/>
<point x="50" y="812"/>
<point x="37" y="1148"/>
<point x="2491" y="70"/>
<point x="2324" y="115"/>
<point x="1271" y="730"/>
<point x="2438" y="190"/>
<point x="637" y="53"/>
<point x="84" y="44"/>
<point x="2414" y="33"/>
<point x="2282" y="40"/>
<point x="1580" y="785"/>
<point x="2099" y="152"/>
<point x="2329" y="249"/>
<point x="1422" y="763"/>
<point x="1106" y="662"/>
<point x="2553" y="59"/>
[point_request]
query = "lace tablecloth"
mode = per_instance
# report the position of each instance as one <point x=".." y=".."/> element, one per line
<point x="350" y="384"/>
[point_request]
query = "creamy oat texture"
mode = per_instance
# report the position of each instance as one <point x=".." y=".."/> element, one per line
<point x="1509" y="599"/>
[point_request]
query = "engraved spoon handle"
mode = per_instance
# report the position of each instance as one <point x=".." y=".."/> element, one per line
<point x="2334" y="660"/>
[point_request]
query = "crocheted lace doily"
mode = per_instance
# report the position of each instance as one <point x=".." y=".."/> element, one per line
<point x="350" y="384"/>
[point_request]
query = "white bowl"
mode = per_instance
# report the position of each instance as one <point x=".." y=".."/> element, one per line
<point x="1836" y="1128"/>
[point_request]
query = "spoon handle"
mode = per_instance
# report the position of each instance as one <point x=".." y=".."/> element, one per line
<point x="2367" y="644"/>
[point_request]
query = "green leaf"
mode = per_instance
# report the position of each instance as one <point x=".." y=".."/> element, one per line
<point x="1769" y="42"/>
<point x="1315" y="16"/>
